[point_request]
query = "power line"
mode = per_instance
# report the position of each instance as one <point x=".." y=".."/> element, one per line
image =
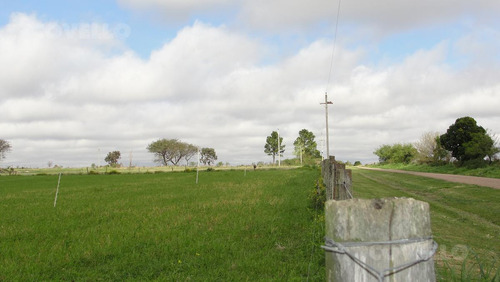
<point x="326" y="103"/>
<point x="334" y="46"/>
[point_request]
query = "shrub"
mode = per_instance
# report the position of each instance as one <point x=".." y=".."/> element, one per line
<point x="473" y="164"/>
<point x="113" y="172"/>
<point x="317" y="198"/>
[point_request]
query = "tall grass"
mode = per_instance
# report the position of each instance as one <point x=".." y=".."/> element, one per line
<point x="229" y="227"/>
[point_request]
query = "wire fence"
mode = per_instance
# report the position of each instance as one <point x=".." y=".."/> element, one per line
<point x="381" y="274"/>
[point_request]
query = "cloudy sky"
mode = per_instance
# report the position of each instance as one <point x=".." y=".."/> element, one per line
<point x="79" y="79"/>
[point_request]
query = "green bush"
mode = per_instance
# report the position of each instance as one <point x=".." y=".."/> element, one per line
<point x="317" y="197"/>
<point x="113" y="172"/>
<point x="473" y="164"/>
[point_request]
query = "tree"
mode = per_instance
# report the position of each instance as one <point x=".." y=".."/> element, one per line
<point x="208" y="156"/>
<point x="305" y="145"/>
<point x="429" y="149"/>
<point x="495" y="149"/>
<point x="441" y="155"/>
<point x="467" y="141"/>
<point x="4" y="148"/>
<point x="426" y="147"/>
<point x="112" y="158"/>
<point x="271" y="147"/>
<point x="168" y="151"/>
<point x="397" y="153"/>
<point x="189" y="150"/>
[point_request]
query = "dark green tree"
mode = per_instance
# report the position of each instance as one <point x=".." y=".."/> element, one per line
<point x="208" y="156"/>
<point x="271" y="147"/>
<point x="467" y="140"/>
<point x="112" y="158"/>
<point x="4" y="148"/>
<point x="305" y="145"/>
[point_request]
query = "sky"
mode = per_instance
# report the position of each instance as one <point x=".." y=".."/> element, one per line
<point x="79" y="79"/>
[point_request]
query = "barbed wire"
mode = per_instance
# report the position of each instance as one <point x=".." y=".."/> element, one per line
<point x="340" y="248"/>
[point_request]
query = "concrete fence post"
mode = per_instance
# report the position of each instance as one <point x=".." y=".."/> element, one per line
<point x="379" y="240"/>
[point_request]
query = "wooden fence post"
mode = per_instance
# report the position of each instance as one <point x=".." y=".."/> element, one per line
<point x="375" y="240"/>
<point x="337" y="180"/>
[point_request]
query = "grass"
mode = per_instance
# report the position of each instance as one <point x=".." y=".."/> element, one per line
<point x="465" y="220"/>
<point x="492" y="171"/>
<point x="229" y="227"/>
<point x="232" y="226"/>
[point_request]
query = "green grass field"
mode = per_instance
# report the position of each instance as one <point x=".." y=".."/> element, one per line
<point x="229" y="227"/>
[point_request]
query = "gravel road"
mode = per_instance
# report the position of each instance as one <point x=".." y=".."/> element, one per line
<point x="480" y="181"/>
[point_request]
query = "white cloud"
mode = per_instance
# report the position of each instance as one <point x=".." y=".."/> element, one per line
<point x="72" y="100"/>
<point x="378" y="16"/>
<point x="178" y="10"/>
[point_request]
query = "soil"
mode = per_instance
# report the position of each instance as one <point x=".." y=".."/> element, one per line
<point x="474" y="180"/>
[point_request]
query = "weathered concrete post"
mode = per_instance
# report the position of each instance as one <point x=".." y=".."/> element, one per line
<point x="337" y="180"/>
<point x="377" y="240"/>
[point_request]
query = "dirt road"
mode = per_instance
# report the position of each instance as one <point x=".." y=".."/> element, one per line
<point x="480" y="181"/>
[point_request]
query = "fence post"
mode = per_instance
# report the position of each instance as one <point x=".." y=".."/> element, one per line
<point x="375" y="240"/>
<point x="337" y="180"/>
<point x="327" y="172"/>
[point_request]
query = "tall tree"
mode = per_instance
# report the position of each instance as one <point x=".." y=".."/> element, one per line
<point x="112" y="158"/>
<point x="168" y="151"/>
<point x="305" y="145"/>
<point x="467" y="140"/>
<point x="271" y="147"/>
<point x="208" y="156"/>
<point x="189" y="151"/>
<point x="4" y="148"/>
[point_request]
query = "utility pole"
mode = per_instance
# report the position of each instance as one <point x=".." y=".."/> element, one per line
<point x="301" y="148"/>
<point x="326" y="103"/>
<point x="279" y="149"/>
<point x="197" y="164"/>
